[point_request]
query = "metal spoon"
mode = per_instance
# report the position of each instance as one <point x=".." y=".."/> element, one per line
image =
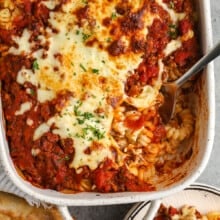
<point x="152" y="210"/>
<point x="169" y="90"/>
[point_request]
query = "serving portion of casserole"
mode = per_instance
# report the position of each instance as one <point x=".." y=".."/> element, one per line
<point x="81" y="86"/>
<point x="186" y="212"/>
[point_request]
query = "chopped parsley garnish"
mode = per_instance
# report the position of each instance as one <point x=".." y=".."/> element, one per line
<point x="80" y="121"/>
<point x="66" y="157"/>
<point x="77" y="32"/>
<point x="101" y="116"/>
<point x="95" y="71"/>
<point x="82" y="116"/>
<point x="35" y="65"/>
<point x="82" y="67"/>
<point x="76" y="108"/>
<point x="85" y="2"/>
<point x="113" y="15"/>
<point x="173" y="31"/>
<point x="108" y="39"/>
<point x="89" y="132"/>
<point x="67" y="37"/>
<point x="32" y="92"/>
<point x="87" y="115"/>
<point x="85" y="36"/>
<point x="94" y="131"/>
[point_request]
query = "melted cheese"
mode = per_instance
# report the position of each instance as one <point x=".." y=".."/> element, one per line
<point x="29" y="122"/>
<point x="71" y="123"/>
<point x="172" y="46"/>
<point x="89" y="72"/>
<point x="24" y="46"/>
<point x="50" y="4"/>
<point x="43" y="128"/>
<point x="68" y="125"/>
<point x="174" y="15"/>
<point x="23" y="108"/>
<point x="188" y="35"/>
<point x="44" y="95"/>
<point x="148" y="96"/>
<point x="27" y="75"/>
<point x="145" y="99"/>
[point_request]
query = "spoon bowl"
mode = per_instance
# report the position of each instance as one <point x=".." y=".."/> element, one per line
<point x="170" y="89"/>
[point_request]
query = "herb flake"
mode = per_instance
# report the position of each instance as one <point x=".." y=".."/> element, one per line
<point x="173" y="31"/>
<point x="113" y="15"/>
<point x="96" y="71"/>
<point x="85" y="36"/>
<point x="82" y="67"/>
<point x="35" y="65"/>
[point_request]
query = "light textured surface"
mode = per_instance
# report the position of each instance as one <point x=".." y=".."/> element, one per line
<point x="211" y="175"/>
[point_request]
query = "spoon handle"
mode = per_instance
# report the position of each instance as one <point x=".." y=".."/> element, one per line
<point x="151" y="212"/>
<point x="211" y="55"/>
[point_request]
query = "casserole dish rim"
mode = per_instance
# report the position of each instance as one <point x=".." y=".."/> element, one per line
<point x="84" y="199"/>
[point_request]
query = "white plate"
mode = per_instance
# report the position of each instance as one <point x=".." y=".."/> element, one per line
<point x="204" y="197"/>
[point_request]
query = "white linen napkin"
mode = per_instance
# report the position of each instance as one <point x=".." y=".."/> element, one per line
<point x="6" y="185"/>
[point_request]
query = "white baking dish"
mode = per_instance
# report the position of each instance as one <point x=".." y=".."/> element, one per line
<point x="181" y="178"/>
